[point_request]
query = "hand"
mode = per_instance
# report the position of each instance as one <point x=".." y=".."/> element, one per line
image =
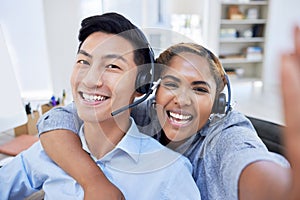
<point x="290" y="82"/>
<point x="100" y="191"/>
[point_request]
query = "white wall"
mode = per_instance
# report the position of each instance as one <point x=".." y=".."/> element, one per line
<point x="24" y="31"/>
<point x="132" y="9"/>
<point x="283" y="15"/>
<point x="12" y="112"/>
<point x="62" y="19"/>
<point x="211" y="24"/>
<point x="42" y="37"/>
<point x="42" y="40"/>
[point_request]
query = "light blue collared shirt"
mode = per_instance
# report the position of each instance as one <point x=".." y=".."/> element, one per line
<point x="139" y="166"/>
<point x="218" y="153"/>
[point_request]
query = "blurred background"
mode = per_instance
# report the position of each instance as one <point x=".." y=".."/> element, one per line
<point x="41" y="38"/>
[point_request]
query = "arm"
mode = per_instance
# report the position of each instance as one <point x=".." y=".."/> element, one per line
<point x="290" y="82"/>
<point x="64" y="147"/>
<point x="266" y="180"/>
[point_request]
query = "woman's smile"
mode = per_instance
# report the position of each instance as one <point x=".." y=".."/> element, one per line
<point x="179" y="118"/>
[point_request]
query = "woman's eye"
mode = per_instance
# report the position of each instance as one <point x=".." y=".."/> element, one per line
<point x="83" y="62"/>
<point x="112" y="66"/>
<point x="200" y="90"/>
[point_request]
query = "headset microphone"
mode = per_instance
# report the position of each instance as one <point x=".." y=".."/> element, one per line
<point x="155" y="84"/>
<point x="142" y="83"/>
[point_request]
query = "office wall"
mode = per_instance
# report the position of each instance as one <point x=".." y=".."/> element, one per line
<point x="23" y="25"/>
<point x="42" y="39"/>
<point x="62" y="23"/>
<point x="283" y="15"/>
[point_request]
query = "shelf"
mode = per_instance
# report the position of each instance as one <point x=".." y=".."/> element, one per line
<point x="252" y="3"/>
<point x="243" y="54"/>
<point x="239" y="60"/>
<point x="242" y="40"/>
<point x="243" y="21"/>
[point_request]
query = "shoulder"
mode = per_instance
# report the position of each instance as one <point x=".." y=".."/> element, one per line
<point x="230" y="134"/>
<point x="30" y="161"/>
<point x="61" y="117"/>
<point x="238" y="127"/>
<point x="35" y="156"/>
<point x="235" y="118"/>
<point x="234" y="124"/>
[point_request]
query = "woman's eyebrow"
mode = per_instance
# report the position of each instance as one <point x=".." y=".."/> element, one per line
<point x="201" y="83"/>
<point x="193" y="83"/>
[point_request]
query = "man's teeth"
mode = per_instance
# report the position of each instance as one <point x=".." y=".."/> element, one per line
<point x="93" y="97"/>
<point x="180" y="116"/>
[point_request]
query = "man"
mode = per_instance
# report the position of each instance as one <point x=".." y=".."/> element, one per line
<point x="112" y="54"/>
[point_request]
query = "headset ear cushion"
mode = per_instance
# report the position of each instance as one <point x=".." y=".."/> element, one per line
<point x="219" y="104"/>
<point x="142" y="83"/>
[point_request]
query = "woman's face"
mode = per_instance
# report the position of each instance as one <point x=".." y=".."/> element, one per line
<point x="185" y="97"/>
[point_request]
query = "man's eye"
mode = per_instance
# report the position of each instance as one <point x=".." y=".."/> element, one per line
<point x="112" y="66"/>
<point x="170" y="85"/>
<point x="83" y="62"/>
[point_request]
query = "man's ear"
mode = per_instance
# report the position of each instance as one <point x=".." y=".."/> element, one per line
<point x="137" y="94"/>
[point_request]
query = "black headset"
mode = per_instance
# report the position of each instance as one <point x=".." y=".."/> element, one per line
<point x="144" y="83"/>
<point x="144" y="79"/>
<point x="221" y="106"/>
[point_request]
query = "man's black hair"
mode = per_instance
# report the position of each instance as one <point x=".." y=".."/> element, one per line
<point x="113" y="23"/>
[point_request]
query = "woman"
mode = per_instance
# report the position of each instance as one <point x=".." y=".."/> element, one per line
<point x="229" y="160"/>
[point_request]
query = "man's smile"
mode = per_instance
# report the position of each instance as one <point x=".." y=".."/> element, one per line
<point x="93" y="97"/>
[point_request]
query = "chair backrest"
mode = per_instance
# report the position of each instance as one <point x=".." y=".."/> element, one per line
<point x="270" y="133"/>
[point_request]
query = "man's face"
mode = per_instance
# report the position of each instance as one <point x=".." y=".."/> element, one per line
<point x="103" y="77"/>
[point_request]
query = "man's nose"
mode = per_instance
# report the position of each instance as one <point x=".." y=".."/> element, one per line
<point x="93" y="78"/>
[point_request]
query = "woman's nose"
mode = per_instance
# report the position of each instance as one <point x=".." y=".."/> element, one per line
<point x="183" y="98"/>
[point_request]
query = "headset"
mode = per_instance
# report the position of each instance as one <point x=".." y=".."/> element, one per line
<point x="221" y="106"/>
<point x="144" y="83"/>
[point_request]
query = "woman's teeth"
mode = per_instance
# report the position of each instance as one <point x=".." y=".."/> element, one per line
<point x="178" y="116"/>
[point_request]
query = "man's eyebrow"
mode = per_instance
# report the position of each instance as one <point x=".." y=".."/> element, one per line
<point x="115" y="56"/>
<point x="108" y="56"/>
<point x="193" y="83"/>
<point x="83" y="52"/>
<point x="171" y="77"/>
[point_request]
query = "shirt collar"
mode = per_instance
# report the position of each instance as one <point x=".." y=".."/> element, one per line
<point x="130" y="144"/>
